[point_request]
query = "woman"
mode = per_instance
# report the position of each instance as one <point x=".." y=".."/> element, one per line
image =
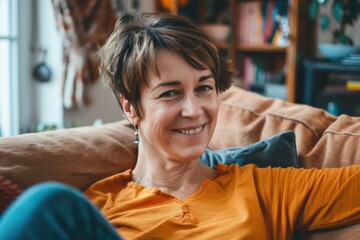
<point x="169" y="94"/>
<point x="166" y="75"/>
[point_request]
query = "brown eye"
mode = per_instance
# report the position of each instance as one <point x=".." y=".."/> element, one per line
<point x="205" y="88"/>
<point x="168" y="94"/>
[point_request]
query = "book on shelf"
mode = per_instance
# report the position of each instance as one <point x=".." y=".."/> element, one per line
<point x="270" y="84"/>
<point x="352" y="59"/>
<point x="268" y="23"/>
<point x="248" y="72"/>
<point x="352" y="85"/>
<point x="263" y="22"/>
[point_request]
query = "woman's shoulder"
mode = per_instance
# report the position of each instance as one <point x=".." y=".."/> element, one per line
<point x="232" y="172"/>
<point x="116" y="181"/>
<point x="236" y="171"/>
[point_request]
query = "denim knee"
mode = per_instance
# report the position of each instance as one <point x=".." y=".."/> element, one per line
<point x="54" y="211"/>
<point x="44" y="192"/>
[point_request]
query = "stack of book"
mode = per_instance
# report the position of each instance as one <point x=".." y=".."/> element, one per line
<point x="352" y="59"/>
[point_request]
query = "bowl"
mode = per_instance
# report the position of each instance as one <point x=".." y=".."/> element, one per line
<point x="334" y="51"/>
<point x="216" y="32"/>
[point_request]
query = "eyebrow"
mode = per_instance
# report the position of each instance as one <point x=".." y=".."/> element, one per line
<point x="177" y="83"/>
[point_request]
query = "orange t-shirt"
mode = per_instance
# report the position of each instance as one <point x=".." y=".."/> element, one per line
<point x="238" y="203"/>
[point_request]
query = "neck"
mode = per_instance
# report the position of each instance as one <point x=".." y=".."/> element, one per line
<point x="177" y="178"/>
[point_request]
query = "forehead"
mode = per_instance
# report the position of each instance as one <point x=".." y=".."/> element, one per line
<point x="169" y="64"/>
<point x="167" y="61"/>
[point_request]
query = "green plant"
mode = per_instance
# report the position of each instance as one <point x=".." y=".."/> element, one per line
<point x="345" y="12"/>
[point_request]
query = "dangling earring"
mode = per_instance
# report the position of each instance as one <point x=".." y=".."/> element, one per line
<point x="136" y="140"/>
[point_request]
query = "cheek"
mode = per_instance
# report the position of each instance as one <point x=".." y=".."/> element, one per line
<point x="158" y="114"/>
<point x="214" y="107"/>
<point x="213" y="110"/>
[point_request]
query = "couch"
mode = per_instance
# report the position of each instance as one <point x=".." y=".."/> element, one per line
<point x="81" y="156"/>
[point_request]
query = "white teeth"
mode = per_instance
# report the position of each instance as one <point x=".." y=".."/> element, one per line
<point x="190" y="131"/>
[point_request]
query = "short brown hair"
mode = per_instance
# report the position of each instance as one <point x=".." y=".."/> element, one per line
<point x="131" y="50"/>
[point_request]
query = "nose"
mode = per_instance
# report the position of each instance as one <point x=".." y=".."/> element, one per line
<point x="192" y="107"/>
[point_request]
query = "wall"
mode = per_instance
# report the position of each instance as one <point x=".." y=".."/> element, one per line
<point x="104" y="104"/>
<point x="47" y="95"/>
<point x="104" y="107"/>
<point x="42" y="102"/>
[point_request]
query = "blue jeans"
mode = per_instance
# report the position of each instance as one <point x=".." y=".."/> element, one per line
<point x="54" y="211"/>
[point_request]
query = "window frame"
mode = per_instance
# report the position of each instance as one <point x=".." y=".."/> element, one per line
<point x="9" y="98"/>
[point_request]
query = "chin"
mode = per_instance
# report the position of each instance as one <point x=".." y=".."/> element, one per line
<point x="192" y="153"/>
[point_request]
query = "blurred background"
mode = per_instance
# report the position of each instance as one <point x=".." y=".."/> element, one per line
<point x="304" y="51"/>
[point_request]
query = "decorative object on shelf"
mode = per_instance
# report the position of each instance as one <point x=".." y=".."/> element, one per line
<point x="217" y="23"/>
<point x="334" y="51"/>
<point x="170" y="5"/>
<point x="345" y="13"/>
<point x="218" y="32"/>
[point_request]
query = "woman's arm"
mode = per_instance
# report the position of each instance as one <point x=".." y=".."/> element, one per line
<point x="310" y="199"/>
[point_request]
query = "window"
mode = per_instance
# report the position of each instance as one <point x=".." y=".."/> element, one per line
<point x="9" y="121"/>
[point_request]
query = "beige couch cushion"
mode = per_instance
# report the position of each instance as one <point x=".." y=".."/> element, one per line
<point x="77" y="157"/>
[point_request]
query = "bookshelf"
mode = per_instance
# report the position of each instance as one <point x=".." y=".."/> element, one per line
<point x="333" y="85"/>
<point x="270" y="60"/>
<point x="261" y="48"/>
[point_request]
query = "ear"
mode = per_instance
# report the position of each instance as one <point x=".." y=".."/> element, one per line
<point x="129" y="111"/>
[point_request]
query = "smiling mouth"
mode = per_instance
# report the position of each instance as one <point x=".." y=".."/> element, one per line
<point x="193" y="131"/>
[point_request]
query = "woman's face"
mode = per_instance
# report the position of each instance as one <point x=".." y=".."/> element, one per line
<point x="179" y="108"/>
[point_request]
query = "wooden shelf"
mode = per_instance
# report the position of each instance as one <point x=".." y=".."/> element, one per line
<point x="265" y="48"/>
<point x="339" y="90"/>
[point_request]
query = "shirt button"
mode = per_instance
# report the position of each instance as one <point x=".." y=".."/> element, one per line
<point x="185" y="209"/>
